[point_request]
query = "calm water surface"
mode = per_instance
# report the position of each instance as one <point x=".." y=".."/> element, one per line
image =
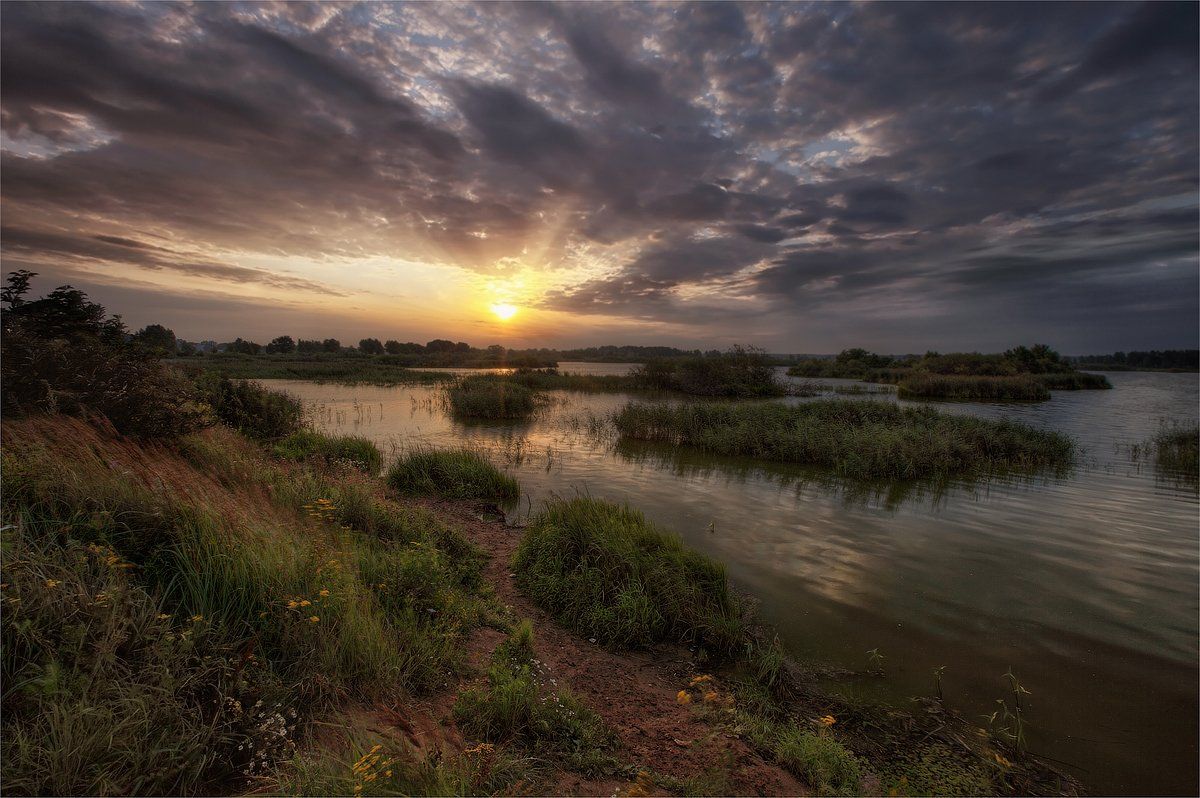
<point x="1084" y="583"/>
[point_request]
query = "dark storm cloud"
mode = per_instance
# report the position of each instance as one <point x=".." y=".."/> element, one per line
<point x="706" y="164"/>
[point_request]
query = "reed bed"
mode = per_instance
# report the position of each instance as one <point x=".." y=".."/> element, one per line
<point x="1022" y="387"/>
<point x="862" y="439"/>
<point x="484" y="397"/>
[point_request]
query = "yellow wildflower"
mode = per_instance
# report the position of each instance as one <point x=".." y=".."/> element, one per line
<point x="710" y="697"/>
<point x="700" y="680"/>
<point x="827" y="720"/>
<point x="387" y="773"/>
<point x="313" y="618"/>
<point x="292" y="604"/>
<point x="1002" y="761"/>
<point x="197" y="618"/>
<point x="53" y="583"/>
<point x="683" y="697"/>
<point x="305" y="603"/>
<point x="324" y="592"/>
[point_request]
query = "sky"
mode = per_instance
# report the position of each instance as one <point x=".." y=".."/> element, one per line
<point x="799" y="177"/>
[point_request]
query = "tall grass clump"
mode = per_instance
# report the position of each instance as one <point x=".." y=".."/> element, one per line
<point x="487" y="398"/>
<point x="607" y="572"/>
<point x="452" y="474"/>
<point x="946" y="386"/>
<point x="1178" y="449"/>
<point x="859" y="439"/>
<point x="516" y="706"/>
<point x="355" y="450"/>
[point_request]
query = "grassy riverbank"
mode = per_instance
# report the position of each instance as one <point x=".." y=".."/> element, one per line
<point x="855" y="438"/>
<point x="344" y="369"/>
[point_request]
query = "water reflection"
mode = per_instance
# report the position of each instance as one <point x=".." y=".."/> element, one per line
<point x="1083" y="582"/>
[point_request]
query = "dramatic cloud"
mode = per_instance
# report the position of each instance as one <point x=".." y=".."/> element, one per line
<point x="804" y="177"/>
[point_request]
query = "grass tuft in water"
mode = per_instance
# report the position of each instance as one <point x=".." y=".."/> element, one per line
<point x="867" y="440"/>
<point x="1021" y="387"/>
<point x="489" y="398"/>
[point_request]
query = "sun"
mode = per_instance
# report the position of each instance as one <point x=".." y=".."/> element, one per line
<point x="504" y="311"/>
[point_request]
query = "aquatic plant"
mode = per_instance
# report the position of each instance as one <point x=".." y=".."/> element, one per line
<point x="1001" y="389"/>
<point x="861" y="439"/>
<point x="489" y="398"/>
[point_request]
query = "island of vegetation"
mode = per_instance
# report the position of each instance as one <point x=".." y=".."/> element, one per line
<point x="1022" y="373"/>
<point x="204" y="595"/>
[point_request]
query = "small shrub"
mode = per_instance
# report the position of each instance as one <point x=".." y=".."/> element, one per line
<point x="607" y="572"/>
<point x="355" y="450"/>
<point x="742" y="372"/>
<point x="452" y="474"/>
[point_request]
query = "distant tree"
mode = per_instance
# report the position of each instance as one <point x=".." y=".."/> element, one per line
<point x="307" y="346"/>
<point x="496" y="350"/>
<point x="243" y="347"/>
<point x="439" y="345"/>
<point x="283" y="345"/>
<point x="462" y="346"/>
<point x="155" y="338"/>
<point x="370" y="346"/>
<point x="331" y="345"/>
<point x="411" y="348"/>
<point x="393" y="347"/>
<point x="187" y="348"/>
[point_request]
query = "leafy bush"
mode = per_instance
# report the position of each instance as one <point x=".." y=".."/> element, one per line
<point x="353" y="449"/>
<point x="453" y="474"/>
<point x="62" y="353"/>
<point x="606" y="571"/>
<point x="1178" y="449"/>
<point x="483" y="397"/>
<point x="251" y="408"/>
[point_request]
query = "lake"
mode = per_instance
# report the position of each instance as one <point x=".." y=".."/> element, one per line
<point x="1083" y="583"/>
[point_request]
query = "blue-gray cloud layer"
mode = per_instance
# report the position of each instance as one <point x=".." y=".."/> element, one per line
<point x="807" y="176"/>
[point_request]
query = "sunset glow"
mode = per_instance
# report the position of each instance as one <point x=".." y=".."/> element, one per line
<point x="504" y="311"/>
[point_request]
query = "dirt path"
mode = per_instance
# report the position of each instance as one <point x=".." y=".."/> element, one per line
<point x="633" y="691"/>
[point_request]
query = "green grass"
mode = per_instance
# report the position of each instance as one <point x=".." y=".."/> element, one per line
<point x="516" y="707"/>
<point x="452" y="474"/>
<point x="860" y="439"/>
<point x="952" y="386"/>
<point x="488" y="398"/>
<point x="605" y="571"/>
<point x="154" y="596"/>
<point x="354" y="450"/>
